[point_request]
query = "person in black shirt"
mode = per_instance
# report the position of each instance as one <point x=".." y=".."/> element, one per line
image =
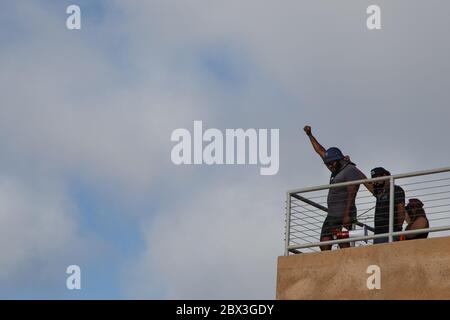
<point x="381" y="192"/>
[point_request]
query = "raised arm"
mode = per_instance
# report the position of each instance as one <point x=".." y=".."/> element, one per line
<point x="368" y="185"/>
<point x="316" y="145"/>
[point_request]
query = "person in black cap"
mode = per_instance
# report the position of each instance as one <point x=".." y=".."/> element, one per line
<point x="341" y="201"/>
<point x="381" y="192"/>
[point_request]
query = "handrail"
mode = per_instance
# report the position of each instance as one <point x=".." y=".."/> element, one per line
<point x="295" y="194"/>
<point x="349" y="183"/>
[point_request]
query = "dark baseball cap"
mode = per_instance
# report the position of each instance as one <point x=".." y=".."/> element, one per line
<point x="379" y="171"/>
<point x="332" y="154"/>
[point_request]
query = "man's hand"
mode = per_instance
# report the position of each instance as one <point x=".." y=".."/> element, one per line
<point x="307" y="130"/>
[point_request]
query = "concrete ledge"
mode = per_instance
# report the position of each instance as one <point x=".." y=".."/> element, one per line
<point x="416" y="269"/>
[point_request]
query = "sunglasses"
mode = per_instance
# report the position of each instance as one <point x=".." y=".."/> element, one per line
<point x="331" y="164"/>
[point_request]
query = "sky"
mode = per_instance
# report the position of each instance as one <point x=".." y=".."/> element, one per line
<point x="86" y="117"/>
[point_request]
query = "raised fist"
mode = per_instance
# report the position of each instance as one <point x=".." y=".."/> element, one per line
<point x="307" y="130"/>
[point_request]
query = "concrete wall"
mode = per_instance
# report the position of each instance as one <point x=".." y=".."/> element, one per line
<point x="416" y="269"/>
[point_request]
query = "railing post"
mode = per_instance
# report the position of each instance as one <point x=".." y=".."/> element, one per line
<point x="391" y="208"/>
<point x="288" y="223"/>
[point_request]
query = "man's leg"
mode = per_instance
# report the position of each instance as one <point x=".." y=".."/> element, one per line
<point x="380" y="240"/>
<point x="381" y="226"/>
<point x="325" y="247"/>
<point x="326" y="233"/>
<point x="347" y="244"/>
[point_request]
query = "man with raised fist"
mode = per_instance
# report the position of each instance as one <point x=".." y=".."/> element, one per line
<point x="341" y="200"/>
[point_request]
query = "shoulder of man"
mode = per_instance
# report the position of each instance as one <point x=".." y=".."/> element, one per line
<point x="351" y="172"/>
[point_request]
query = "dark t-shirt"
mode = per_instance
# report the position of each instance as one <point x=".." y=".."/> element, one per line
<point x="382" y="210"/>
<point x="337" y="197"/>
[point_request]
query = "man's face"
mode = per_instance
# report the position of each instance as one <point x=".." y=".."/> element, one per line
<point x="333" y="166"/>
<point x="379" y="185"/>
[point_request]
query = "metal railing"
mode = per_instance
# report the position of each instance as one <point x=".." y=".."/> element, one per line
<point x="306" y="210"/>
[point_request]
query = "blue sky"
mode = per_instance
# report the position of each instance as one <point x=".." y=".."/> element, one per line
<point x="86" y="118"/>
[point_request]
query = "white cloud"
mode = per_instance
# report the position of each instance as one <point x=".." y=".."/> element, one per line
<point x="38" y="234"/>
<point x="69" y="107"/>
<point x="67" y="113"/>
<point x="222" y="243"/>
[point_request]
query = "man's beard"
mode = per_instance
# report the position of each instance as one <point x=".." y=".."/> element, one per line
<point x="378" y="189"/>
<point x="337" y="167"/>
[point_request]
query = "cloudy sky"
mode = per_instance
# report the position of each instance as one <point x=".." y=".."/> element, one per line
<point x="86" y="118"/>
